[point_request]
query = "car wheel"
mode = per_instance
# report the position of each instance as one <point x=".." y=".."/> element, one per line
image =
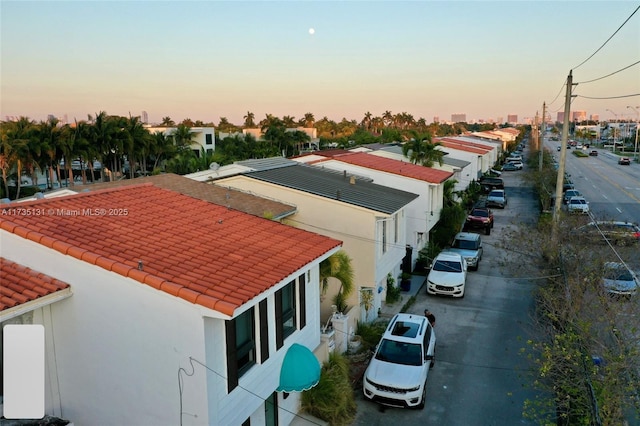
<point x="424" y="397"/>
<point x="487" y="230"/>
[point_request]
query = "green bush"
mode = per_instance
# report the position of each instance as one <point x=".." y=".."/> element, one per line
<point x="332" y="399"/>
<point x="371" y="333"/>
<point x="579" y="153"/>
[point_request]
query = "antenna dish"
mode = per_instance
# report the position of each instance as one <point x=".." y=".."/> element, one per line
<point x="214" y="166"/>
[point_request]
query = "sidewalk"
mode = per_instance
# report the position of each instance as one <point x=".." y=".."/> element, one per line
<point x="388" y="311"/>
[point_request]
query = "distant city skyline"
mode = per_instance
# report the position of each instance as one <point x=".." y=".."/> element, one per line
<point x="211" y="59"/>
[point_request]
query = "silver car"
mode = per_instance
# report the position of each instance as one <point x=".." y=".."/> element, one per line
<point x="469" y="245"/>
<point x="497" y="198"/>
<point x="618" y="279"/>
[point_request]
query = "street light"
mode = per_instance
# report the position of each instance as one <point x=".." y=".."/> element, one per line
<point x="614" y="131"/>
<point x="635" y="149"/>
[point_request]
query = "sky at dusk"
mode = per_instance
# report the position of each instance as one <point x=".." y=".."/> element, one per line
<point x="209" y="59"/>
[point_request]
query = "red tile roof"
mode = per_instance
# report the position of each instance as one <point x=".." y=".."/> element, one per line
<point x="202" y="252"/>
<point x="19" y="284"/>
<point x="397" y="167"/>
<point x="232" y="198"/>
<point x="468" y="143"/>
<point x="461" y="146"/>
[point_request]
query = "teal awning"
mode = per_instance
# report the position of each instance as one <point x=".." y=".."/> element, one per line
<point x="300" y="370"/>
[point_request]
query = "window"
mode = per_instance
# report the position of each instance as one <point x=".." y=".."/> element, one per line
<point x="241" y="347"/>
<point x="209" y="139"/>
<point x="285" y="313"/>
<point x="384" y="236"/>
<point x="396" y="224"/>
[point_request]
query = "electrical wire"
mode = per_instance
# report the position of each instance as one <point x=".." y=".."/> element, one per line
<point x="608" y="75"/>
<point x="192" y="360"/>
<point x="612" y="35"/>
<point x="610" y="97"/>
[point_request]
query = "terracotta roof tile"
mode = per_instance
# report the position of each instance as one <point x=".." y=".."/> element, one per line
<point x="231" y="198"/>
<point x="19" y="284"/>
<point x="397" y="167"/>
<point x="182" y="241"/>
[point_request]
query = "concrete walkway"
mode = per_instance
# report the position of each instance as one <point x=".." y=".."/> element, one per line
<point x="388" y="311"/>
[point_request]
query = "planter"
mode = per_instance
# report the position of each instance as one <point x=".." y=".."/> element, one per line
<point x="405" y="285"/>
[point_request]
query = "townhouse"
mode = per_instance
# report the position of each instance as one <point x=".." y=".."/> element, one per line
<point x="161" y="308"/>
<point x="422" y="213"/>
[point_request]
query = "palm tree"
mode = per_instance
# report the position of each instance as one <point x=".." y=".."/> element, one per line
<point x="420" y="150"/>
<point x="289" y="121"/>
<point x="17" y="152"/>
<point x="338" y="266"/>
<point x="161" y="147"/>
<point x="366" y="121"/>
<point x="387" y="118"/>
<point x="248" y="120"/>
<point x="183" y="136"/>
<point x="308" y="120"/>
<point x="168" y="122"/>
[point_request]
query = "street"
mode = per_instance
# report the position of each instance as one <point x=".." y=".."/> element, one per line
<point x="480" y="375"/>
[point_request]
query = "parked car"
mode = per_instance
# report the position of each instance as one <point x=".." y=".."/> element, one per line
<point x="559" y="148"/>
<point x="496" y="173"/>
<point x="619" y="280"/>
<point x="593" y="153"/>
<point x="487" y="183"/>
<point x="510" y="167"/>
<point x="616" y="232"/>
<point x="514" y="157"/>
<point x="624" y="161"/>
<point x="397" y="373"/>
<point x="448" y="275"/>
<point x="578" y="205"/>
<point x="518" y="164"/>
<point x="570" y="193"/>
<point x="479" y="217"/>
<point x="497" y="198"/>
<point x="469" y="245"/>
<point x="567" y="185"/>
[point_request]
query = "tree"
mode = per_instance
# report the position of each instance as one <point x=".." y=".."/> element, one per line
<point x="17" y="150"/>
<point x="248" y="120"/>
<point x="289" y="121"/>
<point x="338" y="266"/>
<point x="168" y="122"/>
<point x="308" y="120"/>
<point x="420" y="150"/>
<point x="366" y="121"/>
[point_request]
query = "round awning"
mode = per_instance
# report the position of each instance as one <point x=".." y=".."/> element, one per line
<point x="300" y="370"/>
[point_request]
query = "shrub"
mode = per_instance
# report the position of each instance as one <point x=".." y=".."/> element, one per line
<point x="332" y="399"/>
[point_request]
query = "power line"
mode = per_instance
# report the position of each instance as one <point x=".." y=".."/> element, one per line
<point x="192" y="360"/>
<point x="612" y="35"/>
<point x="610" y="97"/>
<point x="608" y="75"/>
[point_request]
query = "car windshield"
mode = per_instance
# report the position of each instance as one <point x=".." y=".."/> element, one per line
<point x="465" y="244"/>
<point x="497" y="194"/>
<point x="447" y="266"/>
<point x="577" y="201"/>
<point x="399" y="352"/>
<point x="618" y="274"/>
<point x="482" y="213"/>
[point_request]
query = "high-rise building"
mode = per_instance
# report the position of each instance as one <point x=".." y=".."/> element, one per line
<point x="595" y="117"/>
<point x="512" y="118"/>
<point x="459" y="118"/>
<point x="436" y="119"/>
<point x="144" y="117"/>
<point x="560" y="117"/>
<point x="579" y="116"/>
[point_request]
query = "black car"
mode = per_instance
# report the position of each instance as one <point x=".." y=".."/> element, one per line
<point x="490" y="183"/>
<point x="593" y="153"/>
<point x="625" y="161"/>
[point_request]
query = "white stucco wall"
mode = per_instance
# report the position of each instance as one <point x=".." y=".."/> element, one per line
<point x="422" y="214"/>
<point x="475" y="160"/>
<point x="114" y="349"/>
<point x="355" y="226"/>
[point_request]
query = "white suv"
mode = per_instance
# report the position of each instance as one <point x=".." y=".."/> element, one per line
<point x="448" y="275"/>
<point x="397" y="373"/>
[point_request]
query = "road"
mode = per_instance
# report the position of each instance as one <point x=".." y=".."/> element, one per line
<point x="480" y="375"/>
<point x="613" y="191"/>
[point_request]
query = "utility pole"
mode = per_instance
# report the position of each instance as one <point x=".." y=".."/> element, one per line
<point x="563" y="156"/>
<point x="542" y="130"/>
